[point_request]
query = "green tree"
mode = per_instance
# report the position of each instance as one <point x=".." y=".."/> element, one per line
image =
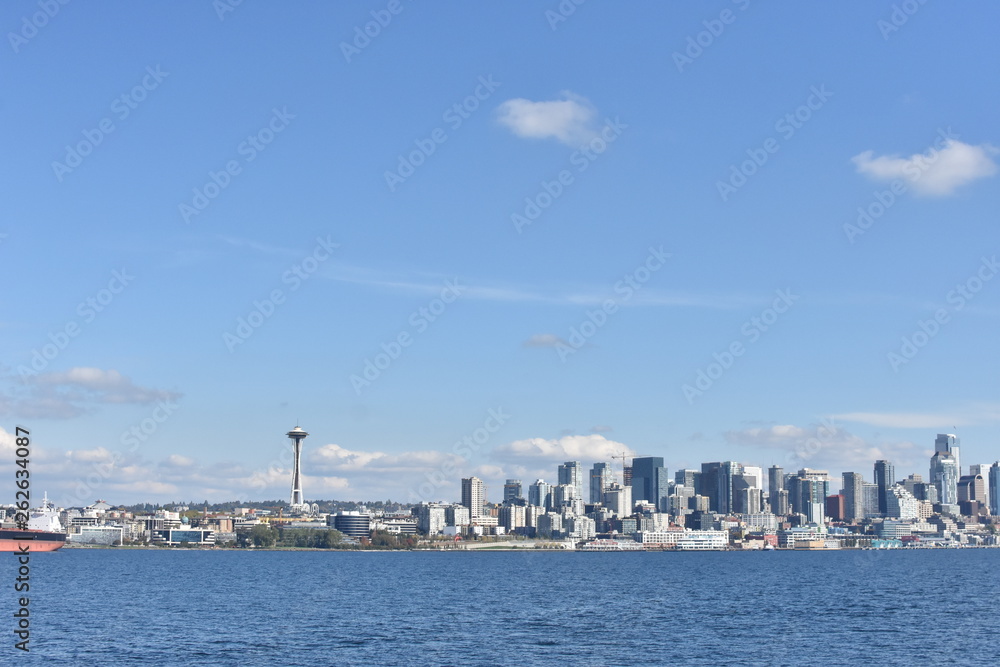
<point x="263" y="536"/>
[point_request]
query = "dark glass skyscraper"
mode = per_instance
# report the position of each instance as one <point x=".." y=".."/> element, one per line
<point x="885" y="477"/>
<point x="650" y="482"/>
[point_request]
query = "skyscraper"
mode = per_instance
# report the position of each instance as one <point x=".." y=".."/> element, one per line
<point x="853" y="500"/>
<point x="473" y="495"/>
<point x="538" y="493"/>
<point x="511" y="491"/>
<point x="571" y="472"/>
<point x="650" y="482"/>
<point x="717" y="484"/>
<point x="947" y="443"/>
<point x="944" y="476"/>
<point x="600" y="477"/>
<point x="994" y="488"/>
<point x="885" y="477"/>
<point x="983" y="469"/>
<point x="297" y="435"/>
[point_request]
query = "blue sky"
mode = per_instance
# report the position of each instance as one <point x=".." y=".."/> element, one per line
<point x="696" y="169"/>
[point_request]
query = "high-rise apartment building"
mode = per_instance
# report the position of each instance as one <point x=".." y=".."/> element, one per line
<point x="853" y="501"/>
<point x="474" y="496"/>
<point x="539" y="494"/>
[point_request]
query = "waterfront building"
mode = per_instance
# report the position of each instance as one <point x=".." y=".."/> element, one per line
<point x="430" y="518"/>
<point x="512" y="517"/>
<point x="703" y="540"/>
<point x="457" y="515"/>
<point x="550" y="524"/>
<point x="353" y="524"/>
<point x="474" y="496"/>
<point x="103" y="535"/>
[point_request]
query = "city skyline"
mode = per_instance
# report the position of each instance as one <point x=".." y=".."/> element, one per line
<point x="486" y="265"/>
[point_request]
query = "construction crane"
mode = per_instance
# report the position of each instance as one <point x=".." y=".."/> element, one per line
<point x="626" y="456"/>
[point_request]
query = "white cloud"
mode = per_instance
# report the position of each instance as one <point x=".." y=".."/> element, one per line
<point x="939" y="172"/>
<point x="569" y="120"/>
<point x="584" y="448"/>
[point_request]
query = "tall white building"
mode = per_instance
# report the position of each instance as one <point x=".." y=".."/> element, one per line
<point x="571" y="472"/>
<point x="618" y="499"/>
<point x="948" y="443"/>
<point x="900" y="504"/>
<point x="474" y="496"/>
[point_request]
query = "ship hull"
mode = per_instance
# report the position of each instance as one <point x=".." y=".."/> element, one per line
<point x="32" y="541"/>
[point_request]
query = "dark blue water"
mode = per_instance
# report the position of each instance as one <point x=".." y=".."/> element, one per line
<point x="106" y="607"/>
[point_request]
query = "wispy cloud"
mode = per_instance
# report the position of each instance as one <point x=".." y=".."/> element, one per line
<point x="427" y="284"/>
<point x="939" y="172"/>
<point x="570" y="120"/>
<point x="76" y="392"/>
<point x="544" y="340"/>
<point x="964" y="416"/>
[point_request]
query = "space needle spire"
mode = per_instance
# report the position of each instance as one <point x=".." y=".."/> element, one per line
<point x="297" y="435"/>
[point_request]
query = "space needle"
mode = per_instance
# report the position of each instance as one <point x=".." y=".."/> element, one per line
<point x="297" y="435"/>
